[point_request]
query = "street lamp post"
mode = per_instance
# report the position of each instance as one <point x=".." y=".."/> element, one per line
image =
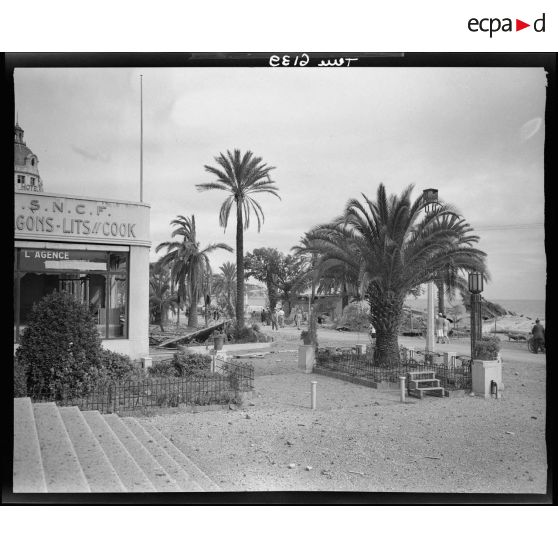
<point x="431" y="198"/>
<point x="476" y="285"/>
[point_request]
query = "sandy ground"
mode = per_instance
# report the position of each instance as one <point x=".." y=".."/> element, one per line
<point x="362" y="439"/>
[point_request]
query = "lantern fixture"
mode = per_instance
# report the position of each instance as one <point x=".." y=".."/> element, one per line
<point x="476" y="282"/>
<point x="430" y="196"/>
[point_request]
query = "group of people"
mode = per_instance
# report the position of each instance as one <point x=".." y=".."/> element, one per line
<point x="276" y="317"/>
<point x="442" y="329"/>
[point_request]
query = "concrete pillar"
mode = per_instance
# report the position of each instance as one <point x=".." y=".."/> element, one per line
<point x="313" y="394"/>
<point x="146" y="362"/>
<point x="306" y="357"/>
<point x="402" y="388"/>
<point x="483" y="372"/>
<point x="449" y="359"/>
<point x="430" y="317"/>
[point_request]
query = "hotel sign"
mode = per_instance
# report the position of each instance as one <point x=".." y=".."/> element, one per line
<point x="69" y="218"/>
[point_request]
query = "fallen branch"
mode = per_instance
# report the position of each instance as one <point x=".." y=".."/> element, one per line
<point x="356" y="473"/>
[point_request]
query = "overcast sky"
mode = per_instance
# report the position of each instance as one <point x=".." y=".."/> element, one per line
<point x="475" y="134"/>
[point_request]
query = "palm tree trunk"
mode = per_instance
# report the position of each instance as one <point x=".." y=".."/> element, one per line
<point x="239" y="267"/>
<point x="161" y="317"/>
<point x="386" y="315"/>
<point x="193" y="313"/>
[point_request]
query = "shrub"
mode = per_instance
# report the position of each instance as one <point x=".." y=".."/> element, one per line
<point x="61" y="345"/>
<point x="20" y="379"/>
<point x="118" y="367"/>
<point x="183" y="365"/>
<point x="487" y="348"/>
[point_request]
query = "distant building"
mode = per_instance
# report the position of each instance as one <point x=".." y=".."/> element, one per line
<point x="26" y="165"/>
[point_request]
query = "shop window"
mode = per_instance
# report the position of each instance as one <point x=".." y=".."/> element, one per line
<point x="96" y="278"/>
<point x="32" y="181"/>
<point x="21" y="179"/>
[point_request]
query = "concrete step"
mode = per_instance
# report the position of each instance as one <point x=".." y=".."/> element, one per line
<point x="160" y="479"/>
<point x="417" y="384"/>
<point x="180" y="476"/>
<point x="195" y="473"/>
<point x="63" y="472"/>
<point x="421" y="392"/>
<point x="98" y="471"/>
<point x="28" y="473"/>
<point x="129" y="472"/>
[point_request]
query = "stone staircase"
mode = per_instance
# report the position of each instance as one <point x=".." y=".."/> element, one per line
<point x="423" y="383"/>
<point x="63" y="449"/>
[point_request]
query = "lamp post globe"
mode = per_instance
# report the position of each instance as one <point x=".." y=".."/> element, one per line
<point x="475" y="284"/>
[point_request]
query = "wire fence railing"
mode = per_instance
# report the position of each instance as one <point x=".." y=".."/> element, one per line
<point x="454" y="373"/>
<point x="223" y="384"/>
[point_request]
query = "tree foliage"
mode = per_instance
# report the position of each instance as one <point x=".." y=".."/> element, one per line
<point x="241" y="177"/>
<point x="392" y="246"/>
<point x="188" y="263"/>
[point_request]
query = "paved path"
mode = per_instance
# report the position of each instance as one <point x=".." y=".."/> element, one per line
<point x="517" y="352"/>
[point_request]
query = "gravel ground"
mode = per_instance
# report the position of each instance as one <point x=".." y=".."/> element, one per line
<point x="363" y="439"/>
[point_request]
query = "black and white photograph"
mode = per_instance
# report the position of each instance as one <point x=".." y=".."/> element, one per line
<point x="280" y="275"/>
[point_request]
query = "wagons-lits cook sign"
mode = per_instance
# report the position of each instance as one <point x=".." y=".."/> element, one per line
<point x="68" y="217"/>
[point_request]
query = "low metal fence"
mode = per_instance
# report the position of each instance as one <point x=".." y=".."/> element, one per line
<point x="223" y="385"/>
<point x="454" y="376"/>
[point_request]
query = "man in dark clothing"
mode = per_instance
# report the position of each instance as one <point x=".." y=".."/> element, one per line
<point x="538" y="335"/>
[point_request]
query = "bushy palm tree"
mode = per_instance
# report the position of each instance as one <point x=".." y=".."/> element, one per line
<point x="225" y="283"/>
<point x="241" y="176"/>
<point x="396" y="247"/>
<point x="161" y="297"/>
<point x="188" y="263"/>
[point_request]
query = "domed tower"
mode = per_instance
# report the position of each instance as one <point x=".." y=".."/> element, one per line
<point x="26" y="165"/>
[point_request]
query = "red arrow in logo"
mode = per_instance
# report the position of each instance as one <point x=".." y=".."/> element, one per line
<point x="519" y="25"/>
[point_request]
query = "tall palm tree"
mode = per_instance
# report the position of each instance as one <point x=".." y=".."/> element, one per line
<point x="241" y="176"/>
<point x="396" y="247"/>
<point x="188" y="263"/>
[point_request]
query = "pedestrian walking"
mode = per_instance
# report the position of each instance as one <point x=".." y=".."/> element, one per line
<point x="274" y="320"/>
<point x="439" y="328"/>
<point x="281" y="317"/>
<point x="445" y="329"/>
<point x="298" y="317"/>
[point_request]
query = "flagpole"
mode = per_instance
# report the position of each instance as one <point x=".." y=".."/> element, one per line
<point x="141" y="137"/>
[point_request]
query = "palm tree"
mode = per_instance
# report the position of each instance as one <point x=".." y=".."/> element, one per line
<point x="241" y="176"/>
<point x="224" y="283"/>
<point x="396" y="247"/>
<point x="188" y="263"/>
<point x="161" y="297"/>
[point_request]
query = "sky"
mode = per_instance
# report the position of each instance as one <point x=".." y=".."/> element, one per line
<point x="475" y="134"/>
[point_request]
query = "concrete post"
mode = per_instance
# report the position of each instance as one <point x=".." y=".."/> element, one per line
<point x="402" y="386"/>
<point x="361" y="348"/>
<point x="449" y="359"/>
<point x="146" y="362"/>
<point x="430" y="317"/>
<point x="313" y="394"/>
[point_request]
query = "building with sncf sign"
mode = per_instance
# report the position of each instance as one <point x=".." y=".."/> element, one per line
<point x="97" y="249"/>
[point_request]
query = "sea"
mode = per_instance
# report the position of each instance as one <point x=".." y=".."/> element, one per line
<point x="531" y="309"/>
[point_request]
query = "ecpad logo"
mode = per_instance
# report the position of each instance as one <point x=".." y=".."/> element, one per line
<point x="493" y="25"/>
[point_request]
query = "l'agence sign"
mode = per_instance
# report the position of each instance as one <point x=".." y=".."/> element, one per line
<point x="40" y="216"/>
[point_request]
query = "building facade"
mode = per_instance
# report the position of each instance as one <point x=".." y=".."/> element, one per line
<point x="97" y="249"/>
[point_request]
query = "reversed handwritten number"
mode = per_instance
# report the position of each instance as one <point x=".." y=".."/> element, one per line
<point x="299" y="60"/>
